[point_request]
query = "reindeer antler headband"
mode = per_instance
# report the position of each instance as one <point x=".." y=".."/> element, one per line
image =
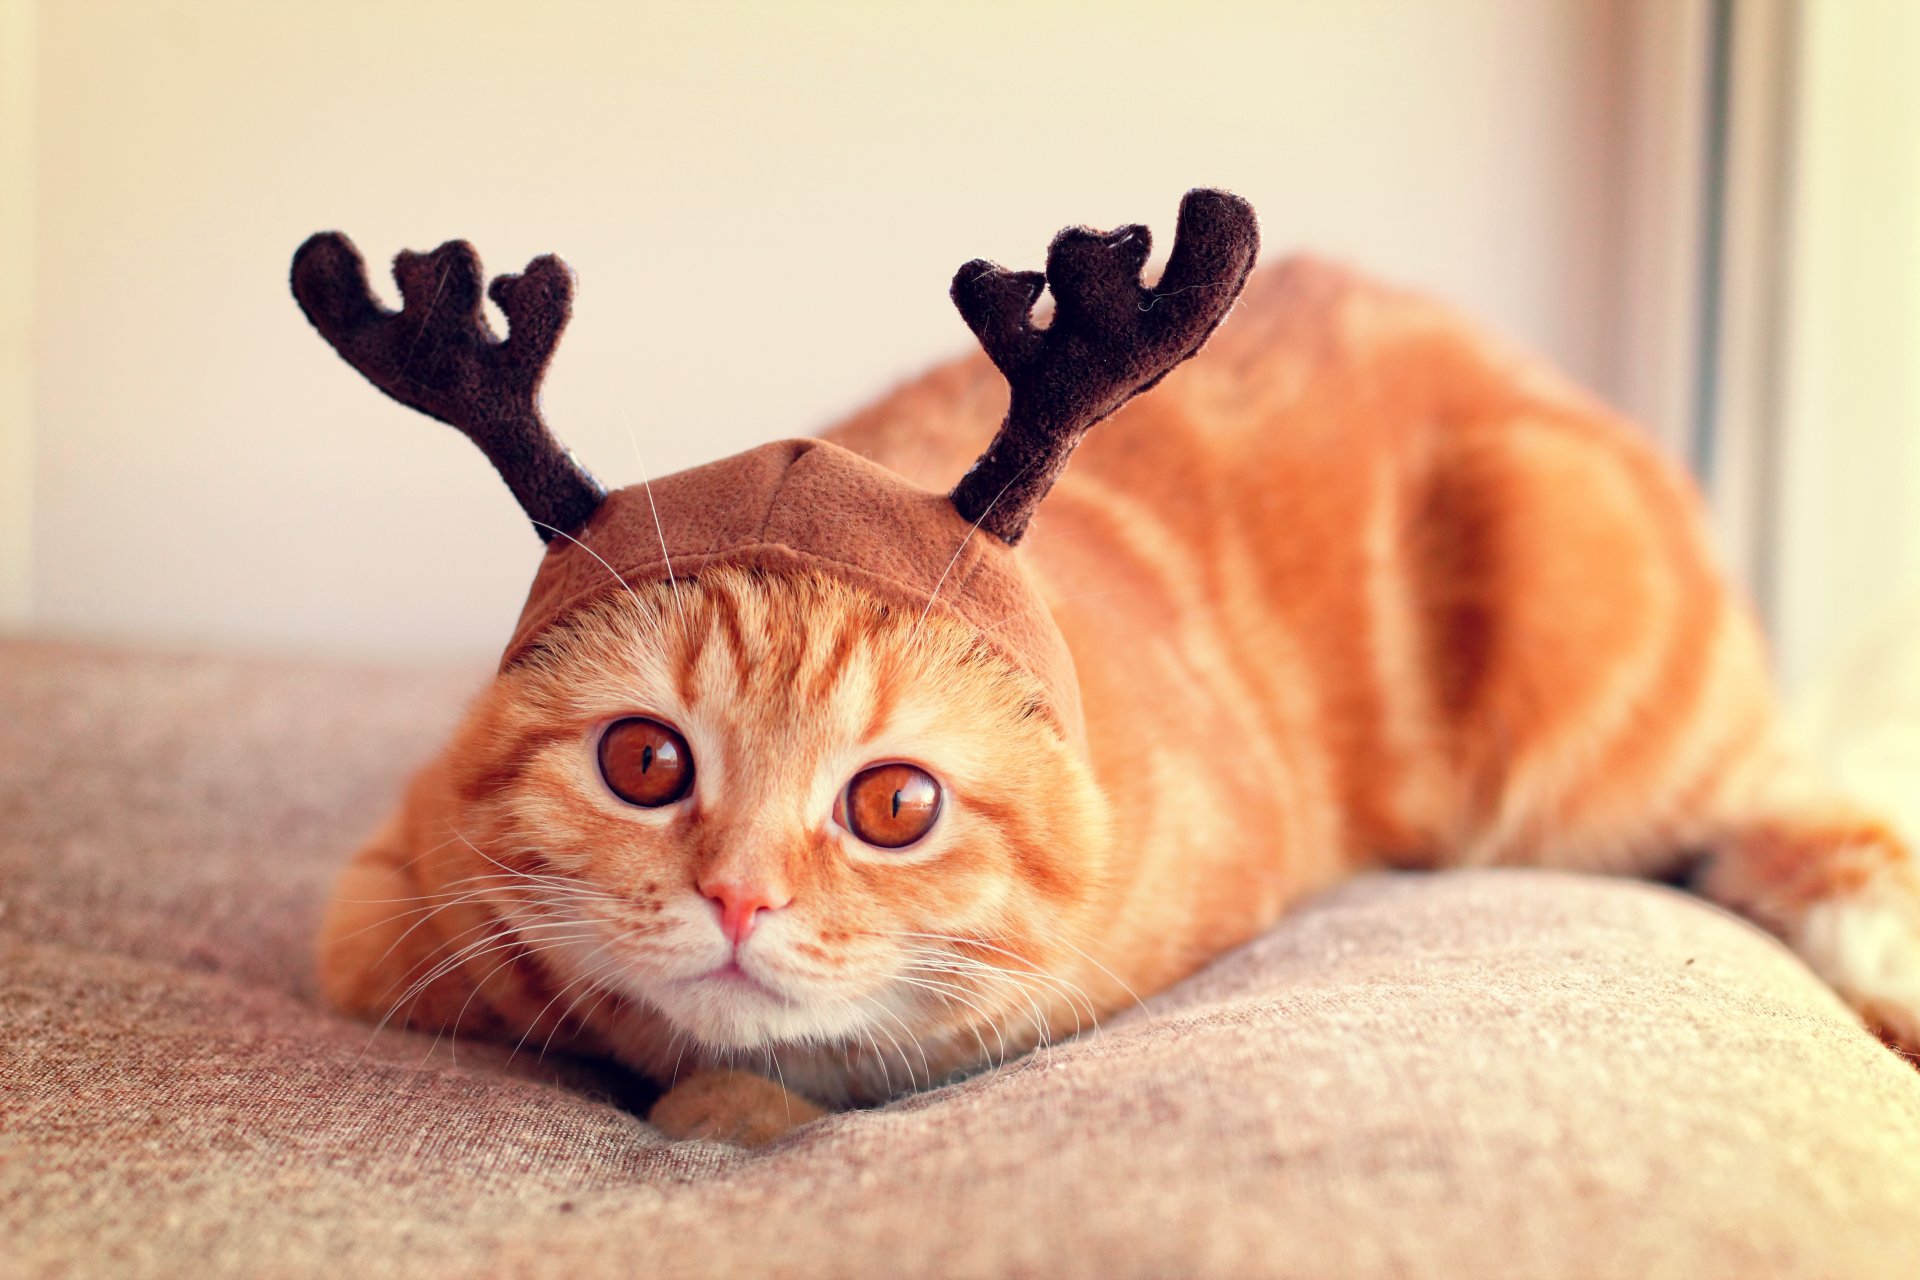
<point x="1111" y="338"/>
<point x="437" y="354"/>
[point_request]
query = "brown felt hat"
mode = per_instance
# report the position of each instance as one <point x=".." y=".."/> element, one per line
<point x="809" y="504"/>
<point x="803" y="503"/>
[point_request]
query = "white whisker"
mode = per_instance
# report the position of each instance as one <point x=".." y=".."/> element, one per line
<point x="959" y="550"/>
<point x="647" y="486"/>
<point x="624" y="584"/>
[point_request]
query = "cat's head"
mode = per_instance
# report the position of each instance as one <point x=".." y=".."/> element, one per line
<point x="779" y="809"/>
<point x="809" y="636"/>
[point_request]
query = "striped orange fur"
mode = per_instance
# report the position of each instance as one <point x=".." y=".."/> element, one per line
<point x="1356" y="588"/>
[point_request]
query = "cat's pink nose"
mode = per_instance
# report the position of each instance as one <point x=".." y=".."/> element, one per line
<point x="741" y="904"/>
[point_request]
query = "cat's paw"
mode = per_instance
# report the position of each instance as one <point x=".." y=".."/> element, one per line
<point x="1866" y="945"/>
<point x="731" y="1106"/>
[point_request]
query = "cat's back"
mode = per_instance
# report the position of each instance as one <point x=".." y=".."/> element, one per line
<point x="1316" y="366"/>
<point x="1332" y="562"/>
<point x="1330" y="420"/>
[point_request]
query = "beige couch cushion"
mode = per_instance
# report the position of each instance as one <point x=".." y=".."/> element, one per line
<point x="1482" y="1075"/>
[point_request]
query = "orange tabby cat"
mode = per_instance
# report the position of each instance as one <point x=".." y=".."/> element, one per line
<point x="1355" y="589"/>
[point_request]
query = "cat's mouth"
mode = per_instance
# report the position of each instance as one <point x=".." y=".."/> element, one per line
<point x="731" y="974"/>
<point x="731" y="1006"/>
<point x="741" y="1004"/>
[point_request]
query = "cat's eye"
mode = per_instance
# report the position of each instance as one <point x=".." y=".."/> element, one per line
<point x="891" y="805"/>
<point x="645" y="763"/>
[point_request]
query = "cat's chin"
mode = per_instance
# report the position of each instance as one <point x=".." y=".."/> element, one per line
<point x="729" y="1008"/>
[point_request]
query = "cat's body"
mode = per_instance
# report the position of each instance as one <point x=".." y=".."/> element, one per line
<point x="1356" y="589"/>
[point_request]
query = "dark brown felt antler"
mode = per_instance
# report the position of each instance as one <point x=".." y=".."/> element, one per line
<point x="437" y="354"/>
<point x="1111" y="338"/>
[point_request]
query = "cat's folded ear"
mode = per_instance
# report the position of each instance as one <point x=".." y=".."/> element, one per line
<point x="437" y="354"/>
<point x="1111" y="338"/>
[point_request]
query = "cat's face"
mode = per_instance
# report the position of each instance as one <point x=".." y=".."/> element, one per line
<point x="777" y="814"/>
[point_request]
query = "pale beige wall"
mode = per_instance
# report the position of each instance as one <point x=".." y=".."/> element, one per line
<point x="764" y="204"/>
<point x="1849" y="490"/>
<point x="16" y="311"/>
